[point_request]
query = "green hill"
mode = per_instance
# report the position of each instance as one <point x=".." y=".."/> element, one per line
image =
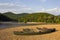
<point x="33" y="17"/>
<point x="10" y="15"/>
<point x="40" y="17"/>
<point x="5" y="18"/>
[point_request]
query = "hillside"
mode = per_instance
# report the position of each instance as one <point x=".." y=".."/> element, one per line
<point x="33" y="17"/>
<point x="39" y="17"/>
<point x="5" y="18"/>
<point x="10" y="15"/>
<point x="13" y="15"/>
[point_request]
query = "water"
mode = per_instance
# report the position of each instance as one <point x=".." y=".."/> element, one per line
<point x="13" y="24"/>
<point x="7" y="25"/>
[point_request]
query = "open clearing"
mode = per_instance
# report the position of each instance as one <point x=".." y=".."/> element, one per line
<point x="7" y="34"/>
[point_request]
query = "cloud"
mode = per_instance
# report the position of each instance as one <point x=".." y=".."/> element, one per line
<point x="55" y="11"/>
<point x="10" y="4"/>
<point x="43" y="0"/>
<point x="6" y="4"/>
<point x="14" y="7"/>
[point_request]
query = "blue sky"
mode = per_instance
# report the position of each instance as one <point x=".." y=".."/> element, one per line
<point x="20" y="6"/>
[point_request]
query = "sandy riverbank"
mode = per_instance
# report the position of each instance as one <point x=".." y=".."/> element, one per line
<point x="7" y="34"/>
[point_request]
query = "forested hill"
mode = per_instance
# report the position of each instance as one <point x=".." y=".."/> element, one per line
<point x="4" y="18"/>
<point x="13" y="15"/>
<point x="40" y="17"/>
<point x="33" y="17"/>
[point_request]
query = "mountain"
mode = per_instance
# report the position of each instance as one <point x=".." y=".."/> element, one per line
<point x="10" y="15"/>
<point x="5" y="18"/>
<point x="33" y="17"/>
<point x="13" y="15"/>
<point x="40" y="17"/>
<point x="36" y="17"/>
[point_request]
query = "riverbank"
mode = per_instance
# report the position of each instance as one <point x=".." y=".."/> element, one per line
<point x="7" y="34"/>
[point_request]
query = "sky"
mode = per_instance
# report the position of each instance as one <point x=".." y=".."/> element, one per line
<point x="30" y="6"/>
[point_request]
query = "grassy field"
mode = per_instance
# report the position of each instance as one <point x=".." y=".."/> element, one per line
<point x="7" y="34"/>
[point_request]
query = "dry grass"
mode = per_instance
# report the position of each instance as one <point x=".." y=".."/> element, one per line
<point x="7" y="34"/>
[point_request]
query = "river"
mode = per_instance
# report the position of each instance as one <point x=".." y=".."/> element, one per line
<point x="13" y="24"/>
